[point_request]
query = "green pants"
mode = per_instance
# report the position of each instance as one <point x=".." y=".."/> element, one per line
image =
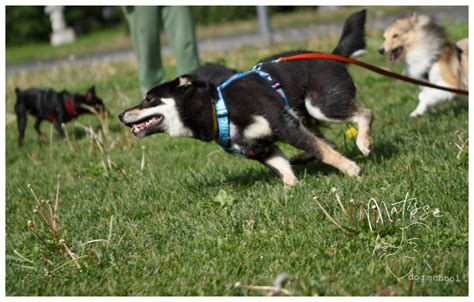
<point x="145" y="24"/>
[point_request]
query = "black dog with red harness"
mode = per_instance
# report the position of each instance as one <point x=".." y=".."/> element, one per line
<point x="57" y="107"/>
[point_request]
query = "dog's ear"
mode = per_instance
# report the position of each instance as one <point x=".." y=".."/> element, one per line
<point x="413" y="18"/>
<point x="90" y="94"/>
<point x="189" y="84"/>
<point x="185" y="80"/>
<point x="423" y="20"/>
<point x="189" y="81"/>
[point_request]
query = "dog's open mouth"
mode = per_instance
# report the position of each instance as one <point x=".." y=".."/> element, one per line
<point x="146" y="126"/>
<point x="395" y="54"/>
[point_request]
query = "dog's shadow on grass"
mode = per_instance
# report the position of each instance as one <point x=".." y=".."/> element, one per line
<point x="457" y="107"/>
<point x="78" y="134"/>
<point x="381" y="151"/>
<point x="251" y="177"/>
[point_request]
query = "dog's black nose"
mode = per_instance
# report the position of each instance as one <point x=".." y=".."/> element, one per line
<point x="121" y="115"/>
<point x="381" y="50"/>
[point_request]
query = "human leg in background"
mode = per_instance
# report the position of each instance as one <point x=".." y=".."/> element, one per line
<point x="144" y="23"/>
<point x="178" y="22"/>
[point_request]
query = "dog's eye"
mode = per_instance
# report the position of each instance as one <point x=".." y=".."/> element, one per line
<point x="395" y="36"/>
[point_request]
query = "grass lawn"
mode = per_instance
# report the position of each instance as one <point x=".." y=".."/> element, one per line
<point x="163" y="216"/>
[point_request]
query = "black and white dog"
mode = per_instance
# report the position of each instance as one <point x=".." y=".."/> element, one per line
<point x="320" y="90"/>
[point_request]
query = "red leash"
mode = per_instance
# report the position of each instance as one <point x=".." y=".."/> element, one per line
<point x="372" y="68"/>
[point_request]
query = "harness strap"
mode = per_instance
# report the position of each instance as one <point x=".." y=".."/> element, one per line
<point x="223" y="122"/>
<point x="70" y="109"/>
<point x="221" y="115"/>
<point x="372" y="68"/>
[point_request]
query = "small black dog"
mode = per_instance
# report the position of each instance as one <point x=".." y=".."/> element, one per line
<point x="56" y="106"/>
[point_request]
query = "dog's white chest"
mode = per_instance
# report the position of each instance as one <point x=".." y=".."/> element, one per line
<point x="418" y="62"/>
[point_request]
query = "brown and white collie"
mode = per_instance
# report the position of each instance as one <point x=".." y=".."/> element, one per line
<point x="429" y="56"/>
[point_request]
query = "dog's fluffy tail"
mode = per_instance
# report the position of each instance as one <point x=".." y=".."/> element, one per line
<point x="352" y="41"/>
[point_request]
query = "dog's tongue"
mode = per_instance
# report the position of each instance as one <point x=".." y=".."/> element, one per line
<point x="151" y="121"/>
<point x="139" y="126"/>
<point x="393" y="57"/>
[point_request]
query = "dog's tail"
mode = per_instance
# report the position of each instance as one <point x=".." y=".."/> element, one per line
<point x="352" y="41"/>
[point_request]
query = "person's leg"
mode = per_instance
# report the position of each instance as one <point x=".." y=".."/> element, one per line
<point x="144" y="23"/>
<point x="180" y="31"/>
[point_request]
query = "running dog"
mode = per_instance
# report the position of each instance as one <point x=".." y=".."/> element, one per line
<point x="258" y="115"/>
<point x="57" y="107"/>
<point x="429" y="56"/>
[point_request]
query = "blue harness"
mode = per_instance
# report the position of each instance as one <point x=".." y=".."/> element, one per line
<point x="222" y="115"/>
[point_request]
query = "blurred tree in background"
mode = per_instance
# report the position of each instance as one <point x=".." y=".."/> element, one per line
<point x="27" y="24"/>
<point x="206" y="15"/>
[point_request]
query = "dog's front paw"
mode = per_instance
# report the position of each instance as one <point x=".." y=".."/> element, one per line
<point x="289" y="181"/>
<point x="364" y="146"/>
<point x="417" y="113"/>
<point x="353" y="169"/>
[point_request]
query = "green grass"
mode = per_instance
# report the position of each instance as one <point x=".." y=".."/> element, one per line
<point x="196" y="220"/>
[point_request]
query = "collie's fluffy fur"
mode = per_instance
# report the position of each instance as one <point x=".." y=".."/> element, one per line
<point x="428" y="55"/>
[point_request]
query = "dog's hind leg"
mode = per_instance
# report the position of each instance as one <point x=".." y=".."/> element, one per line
<point x="301" y="138"/>
<point x="41" y="136"/>
<point x="429" y="97"/>
<point x="277" y="162"/>
<point x="363" y="119"/>
<point x="305" y="157"/>
<point x="361" y="116"/>
<point x="58" y="125"/>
